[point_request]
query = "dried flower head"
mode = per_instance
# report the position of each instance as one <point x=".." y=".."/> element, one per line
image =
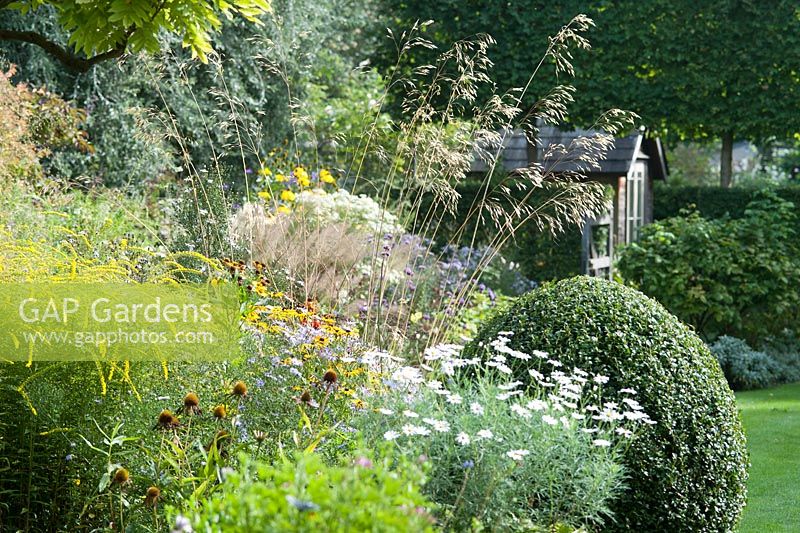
<point x="220" y="412"/>
<point x="305" y="397"/>
<point x="191" y="404"/>
<point x="330" y="377"/>
<point x="239" y="389"/>
<point x="259" y="435"/>
<point x="121" y="476"/>
<point x="152" y="496"/>
<point x="166" y="420"/>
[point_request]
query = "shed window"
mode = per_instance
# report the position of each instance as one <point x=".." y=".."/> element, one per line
<point x="635" y="193"/>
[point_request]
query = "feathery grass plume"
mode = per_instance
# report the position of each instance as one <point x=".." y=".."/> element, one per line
<point x="446" y="125"/>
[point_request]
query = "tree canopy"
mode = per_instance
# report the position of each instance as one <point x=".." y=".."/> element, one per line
<point x="100" y="30"/>
<point x="692" y="70"/>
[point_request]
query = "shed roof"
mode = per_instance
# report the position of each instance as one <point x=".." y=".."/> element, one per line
<point x="617" y="161"/>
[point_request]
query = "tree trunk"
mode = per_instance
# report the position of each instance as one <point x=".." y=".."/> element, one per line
<point x="726" y="160"/>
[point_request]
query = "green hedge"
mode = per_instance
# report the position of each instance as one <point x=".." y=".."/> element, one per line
<point x="688" y="471"/>
<point x="713" y="202"/>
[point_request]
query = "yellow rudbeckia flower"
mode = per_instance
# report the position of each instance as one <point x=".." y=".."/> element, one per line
<point x="284" y="209"/>
<point x="287" y="196"/>
<point x="326" y="177"/>
<point x="280" y="178"/>
<point x="300" y="173"/>
<point x="264" y="195"/>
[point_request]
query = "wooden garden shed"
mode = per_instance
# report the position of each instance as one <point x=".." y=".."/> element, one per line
<point x="629" y="168"/>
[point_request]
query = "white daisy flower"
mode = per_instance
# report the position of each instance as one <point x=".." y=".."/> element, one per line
<point x="463" y="439"/>
<point x="411" y="429"/>
<point x="521" y="411"/>
<point x="549" y="420"/>
<point x="391" y="435"/>
<point x="476" y="408"/>
<point x="602" y="380"/>
<point x="506" y="395"/>
<point x="385" y="411"/>
<point x="454" y="399"/>
<point x="603" y="443"/>
<point x="517" y="455"/>
<point x="536" y="405"/>
<point x="485" y="434"/>
<point x="410" y="414"/>
<point x="509" y="386"/>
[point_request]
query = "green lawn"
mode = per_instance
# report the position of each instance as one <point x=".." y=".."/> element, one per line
<point x="772" y="421"/>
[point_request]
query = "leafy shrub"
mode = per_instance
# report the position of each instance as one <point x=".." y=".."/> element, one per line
<point x="688" y="471"/>
<point x="744" y="367"/>
<point x="727" y="276"/>
<point x="35" y="122"/>
<point x="785" y="349"/>
<point x="505" y="456"/>
<point x="365" y="493"/>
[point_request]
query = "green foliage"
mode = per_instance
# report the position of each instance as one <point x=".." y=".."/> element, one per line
<point x="725" y="276"/>
<point x="744" y="367"/>
<point x="714" y="202"/>
<point x="144" y="111"/>
<point x="368" y="492"/>
<point x="97" y="27"/>
<point x="688" y="471"/>
<point x="36" y="123"/>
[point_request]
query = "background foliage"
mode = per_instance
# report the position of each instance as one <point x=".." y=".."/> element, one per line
<point x="732" y="276"/>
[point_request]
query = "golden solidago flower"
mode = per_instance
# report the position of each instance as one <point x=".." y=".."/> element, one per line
<point x="264" y="195"/>
<point x="326" y="177"/>
<point x="152" y="496"/>
<point x="121" y="476"/>
<point x="287" y="195"/>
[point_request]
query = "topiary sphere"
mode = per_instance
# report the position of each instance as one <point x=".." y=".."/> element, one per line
<point x="688" y="471"/>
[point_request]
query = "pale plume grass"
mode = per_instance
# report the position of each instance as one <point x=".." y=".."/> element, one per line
<point x="446" y="125"/>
